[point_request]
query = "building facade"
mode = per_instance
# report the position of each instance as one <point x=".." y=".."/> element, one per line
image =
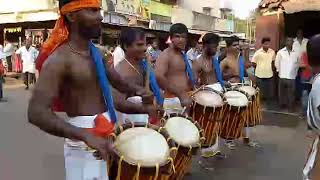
<point x="205" y="15"/>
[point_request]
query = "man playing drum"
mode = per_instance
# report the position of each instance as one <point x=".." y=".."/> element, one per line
<point x="205" y="72"/>
<point x="230" y="66"/>
<point x="136" y="69"/>
<point x="70" y="65"/>
<point x="233" y="68"/>
<point x="203" y="68"/>
<point x="173" y="71"/>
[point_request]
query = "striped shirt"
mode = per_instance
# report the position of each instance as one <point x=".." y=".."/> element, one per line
<point x="314" y="104"/>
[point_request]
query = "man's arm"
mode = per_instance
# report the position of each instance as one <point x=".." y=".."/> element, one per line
<point x="277" y="61"/>
<point x="255" y="59"/>
<point x="162" y="65"/>
<point x="124" y="106"/>
<point x="46" y="89"/>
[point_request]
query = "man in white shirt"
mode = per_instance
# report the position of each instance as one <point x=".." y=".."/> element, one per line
<point x="118" y="56"/>
<point x="312" y="167"/>
<point x="8" y="51"/>
<point x="299" y="46"/>
<point x="300" y="43"/>
<point x="287" y="64"/>
<point x="194" y="52"/>
<point x="28" y="55"/>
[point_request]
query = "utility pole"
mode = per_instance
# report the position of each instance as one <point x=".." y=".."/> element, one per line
<point x="247" y="30"/>
<point x="250" y="30"/>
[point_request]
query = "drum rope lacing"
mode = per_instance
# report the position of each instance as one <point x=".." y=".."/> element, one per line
<point x="157" y="166"/>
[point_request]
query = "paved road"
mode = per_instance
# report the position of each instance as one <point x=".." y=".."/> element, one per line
<point x="27" y="153"/>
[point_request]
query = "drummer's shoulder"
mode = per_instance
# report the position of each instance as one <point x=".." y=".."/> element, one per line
<point x="224" y="61"/>
<point x="167" y="55"/>
<point x="60" y="57"/>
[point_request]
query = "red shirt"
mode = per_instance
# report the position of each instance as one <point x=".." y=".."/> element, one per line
<point x="306" y="71"/>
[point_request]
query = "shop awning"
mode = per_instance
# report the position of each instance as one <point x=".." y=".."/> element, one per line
<point x="294" y="6"/>
<point x="291" y="6"/>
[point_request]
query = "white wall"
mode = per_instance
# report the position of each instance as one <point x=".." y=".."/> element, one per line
<point x="196" y="5"/>
<point x="9" y="6"/>
<point x="180" y="15"/>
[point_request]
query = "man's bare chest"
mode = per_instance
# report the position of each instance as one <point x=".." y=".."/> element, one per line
<point x="82" y="74"/>
<point x="233" y="67"/>
<point x="176" y="64"/>
<point x="206" y="66"/>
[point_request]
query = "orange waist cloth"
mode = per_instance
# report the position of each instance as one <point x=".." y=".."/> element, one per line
<point x="102" y="126"/>
<point x="60" y="34"/>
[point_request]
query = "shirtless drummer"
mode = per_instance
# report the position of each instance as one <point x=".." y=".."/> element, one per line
<point x="70" y="65"/>
<point x="205" y="72"/>
<point x="203" y="68"/>
<point x="174" y="73"/>
<point x="230" y="68"/>
<point x="136" y="69"/>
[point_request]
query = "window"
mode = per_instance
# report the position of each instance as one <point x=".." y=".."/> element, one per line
<point x="206" y="10"/>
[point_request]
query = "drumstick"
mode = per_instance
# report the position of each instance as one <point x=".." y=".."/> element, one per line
<point x="184" y="110"/>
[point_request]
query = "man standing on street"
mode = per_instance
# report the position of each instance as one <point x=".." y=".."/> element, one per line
<point x="263" y="61"/>
<point x="74" y="76"/>
<point x="300" y="43"/>
<point x="287" y="64"/>
<point x="300" y="47"/>
<point x="28" y="55"/>
<point x="8" y="51"/>
<point x="195" y="52"/>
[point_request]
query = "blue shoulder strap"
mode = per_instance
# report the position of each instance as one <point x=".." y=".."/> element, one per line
<point x="103" y="81"/>
<point x="216" y="67"/>
<point x="241" y="68"/>
<point x="153" y="82"/>
<point x="188" y="69"/>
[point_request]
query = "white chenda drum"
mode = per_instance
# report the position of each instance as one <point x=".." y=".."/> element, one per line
<point x="235" y="115"/>
<point x="254" y="109"/>
<point x="207" y="110"/>
<point x="188" y="137"/>
<point x="142" y="152"/>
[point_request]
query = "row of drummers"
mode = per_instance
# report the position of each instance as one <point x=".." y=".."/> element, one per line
<point x="145" y="151"/>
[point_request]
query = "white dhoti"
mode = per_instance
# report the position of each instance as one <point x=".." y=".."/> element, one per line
<point x="135" y="117"/>
<point x="311" y="161"/>
<point x="80" y="164"/>
<point x="172" y="106"/>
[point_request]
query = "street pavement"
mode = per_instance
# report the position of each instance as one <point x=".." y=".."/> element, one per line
<point x="27" y="153"/>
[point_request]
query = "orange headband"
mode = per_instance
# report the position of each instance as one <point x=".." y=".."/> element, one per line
<point x="78" y="5"/>
<point x="60" y="31"/>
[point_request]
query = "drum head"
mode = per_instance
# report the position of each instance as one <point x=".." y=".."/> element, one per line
<point x="216" y="87"/>
<point x="236" y="98"/>
<point x="248" y="89"/>
<point x="142" y="145"/>
<point x="208" y="98"/>
<point x="183" y="131"/>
